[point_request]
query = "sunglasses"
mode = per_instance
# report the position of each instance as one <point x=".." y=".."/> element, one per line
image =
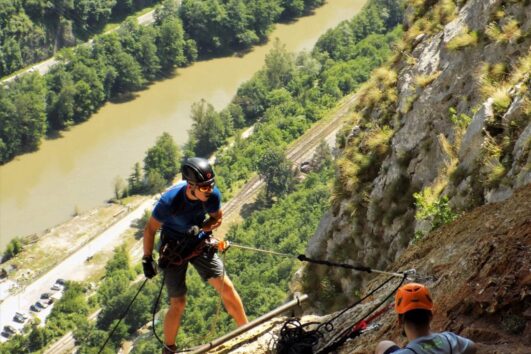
<point x="206" y="187"/>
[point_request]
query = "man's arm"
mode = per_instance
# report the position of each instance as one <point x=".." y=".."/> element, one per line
<point x="149" y="235"/>
<point x="213" y="222"/>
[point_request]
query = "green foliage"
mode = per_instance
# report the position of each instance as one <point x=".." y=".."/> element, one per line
<point x="13" y="248"/>
<point x="376" y="18"/>
<point x="171" y="44"/>
<point x="509" y="32"/>
<point x="208" y="130"/>
<point x="432" y="208"/>
<point x="31" y="31"/>
<point x="462" y="40"/>
<point x="275" y="169"/>
<point x="22" y="116"/>
<point x="460" y="120"/>
<point x="163" y="158"/>
<point x="135" y="183"/>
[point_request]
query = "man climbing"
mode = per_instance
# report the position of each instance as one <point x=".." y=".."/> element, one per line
<point x="181" y="211"/>
<point x="414" y="306"/>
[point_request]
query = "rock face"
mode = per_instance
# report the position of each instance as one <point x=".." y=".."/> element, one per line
<point x="461" y="136"/>
<point x="478" y="271"/>
<point x="434" y="174"/>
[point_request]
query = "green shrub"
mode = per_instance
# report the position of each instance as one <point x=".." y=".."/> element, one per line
<point x="13" y="248"/>
<point x="460" y="120"/>
<point x="465" y="39"/>
<point x="432" y="208"/>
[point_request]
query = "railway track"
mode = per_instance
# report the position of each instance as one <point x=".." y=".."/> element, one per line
<point x="301" y="150"/>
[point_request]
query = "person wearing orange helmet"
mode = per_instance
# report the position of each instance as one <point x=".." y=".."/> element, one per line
<point x="414" y="306"/>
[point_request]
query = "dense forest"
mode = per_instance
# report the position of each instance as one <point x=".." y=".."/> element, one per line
<point x="283" y="99"/>
<point x="127" y="60"/>
<point x="31" y="31"/>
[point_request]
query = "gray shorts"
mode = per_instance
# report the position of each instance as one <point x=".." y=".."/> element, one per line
<point x="207" y="265"/>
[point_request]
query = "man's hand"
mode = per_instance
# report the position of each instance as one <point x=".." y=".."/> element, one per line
<point x="150" y="269"/>
<point x="193" y="231"/>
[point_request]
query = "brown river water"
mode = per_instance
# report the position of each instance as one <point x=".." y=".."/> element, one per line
<point x="76" y="172"/>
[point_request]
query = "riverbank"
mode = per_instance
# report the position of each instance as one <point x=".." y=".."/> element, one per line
<point x="45" y="250"/>
<point x="78" y="169"/>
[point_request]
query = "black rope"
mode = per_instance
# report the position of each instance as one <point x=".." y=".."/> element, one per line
<point x="356" y="304"/>
<point x="122" y="316"/>
<point x="155" y="306"/>
<point x="303" y="258"/>
<point x="294" y="338"/>
<point x="343" y="336"/>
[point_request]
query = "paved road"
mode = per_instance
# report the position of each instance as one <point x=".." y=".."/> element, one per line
<point x="44" y="66"/>
<point x="108" y="240"/>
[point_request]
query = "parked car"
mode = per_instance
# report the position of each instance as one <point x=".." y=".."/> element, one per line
<point x="46" y="295"/>
<point x="60" y="281"/>
<point x="6" y="334"/>
<point x="10" y="329"/>
<point x="20" y="317"/>
<point x="41" y="304"/>
<point x="35" y="308"/>
<point x="55" y="287"/>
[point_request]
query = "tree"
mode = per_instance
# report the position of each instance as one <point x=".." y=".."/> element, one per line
<point x="155" y="183"/>
<point x="61" y="98"/>
<point x="279" y="66"/>
<point x="207" y="130"/>
<point x="129" y="76"/>
<point x="292" y="8"/>
<point x="264" y="14"/>
<point x="91" y="15"/>
<point x="251" y="97"/>
<point x="163" y="158"/>
<point x="120" y="188"/>
<point x="171" y="44"/>
<point x="135" y="179"/>
<point x="168" y="9"/>
<point x="239" y="21"/>
<point x="10" y="139"/>
<point x="205" y="21"/>
<point x="13" y="248"/>
<point x="322" y="157"/>
<point x="29" y="99"/>
<point x="275" y="168"/>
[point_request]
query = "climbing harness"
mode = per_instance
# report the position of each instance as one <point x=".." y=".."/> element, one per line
<point x="176" y="250"/>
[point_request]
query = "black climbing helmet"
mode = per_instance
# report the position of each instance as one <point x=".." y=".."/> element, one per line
<point x="198" y="170"/>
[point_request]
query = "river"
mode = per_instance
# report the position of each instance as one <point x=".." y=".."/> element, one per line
<point x="76" y="172"/>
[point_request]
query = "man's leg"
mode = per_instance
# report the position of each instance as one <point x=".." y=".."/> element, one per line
<point x="231" y="299"/>
<point x="172" y="320"/>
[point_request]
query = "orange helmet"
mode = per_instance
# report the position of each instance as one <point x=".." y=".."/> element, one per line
<point x="412" y="296"/>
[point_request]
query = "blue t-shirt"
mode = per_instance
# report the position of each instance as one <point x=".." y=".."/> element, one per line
<point x="183" y="213"/>
<point x="436" y="343"/>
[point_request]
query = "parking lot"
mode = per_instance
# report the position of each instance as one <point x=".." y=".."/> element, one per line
<point x="40" y="308"/>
